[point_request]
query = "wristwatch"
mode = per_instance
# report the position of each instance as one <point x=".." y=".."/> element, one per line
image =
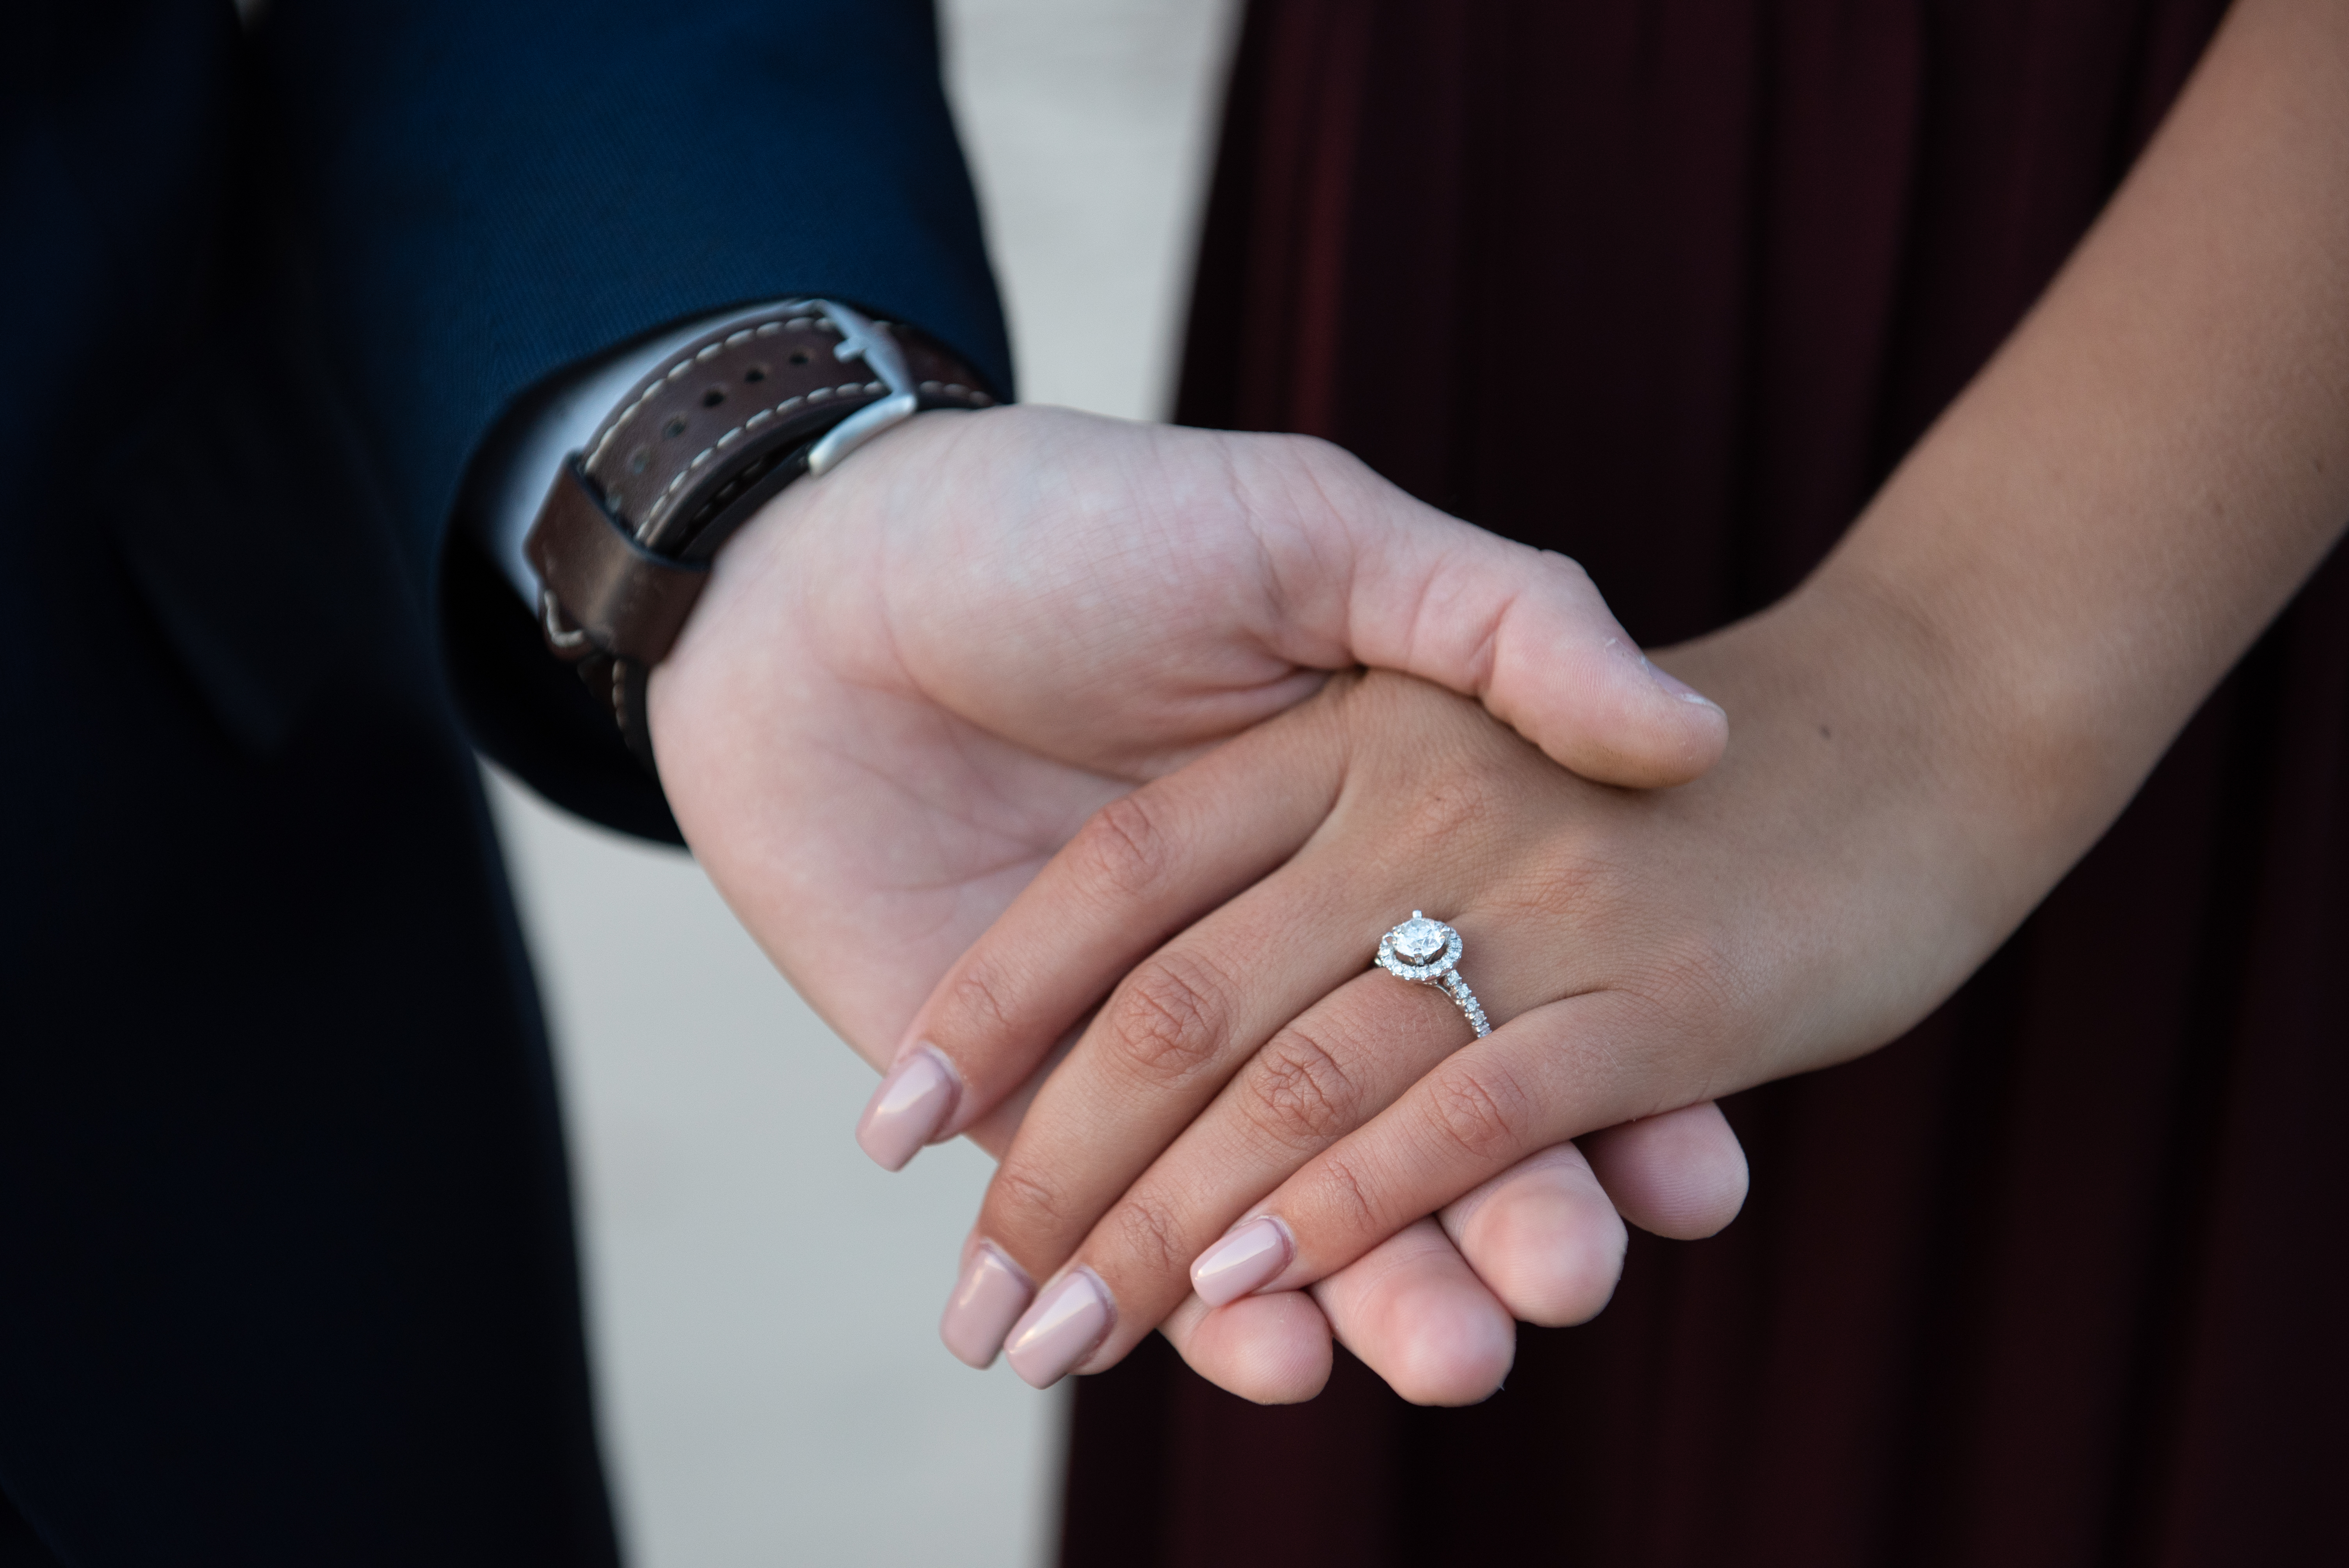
<point x="623" y="540"/>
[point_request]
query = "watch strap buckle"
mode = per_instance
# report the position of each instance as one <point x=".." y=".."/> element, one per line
<point x="861" y="337"/>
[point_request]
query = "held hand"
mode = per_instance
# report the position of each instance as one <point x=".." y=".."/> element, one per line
<point x="1929" y="733"/>
<point x="1543" y="1244"/>
<point x="912" y="681"/>
<point x="1945" y="717"/>
<point x="953" y="650"/>
<point x="1253" y="1112"/>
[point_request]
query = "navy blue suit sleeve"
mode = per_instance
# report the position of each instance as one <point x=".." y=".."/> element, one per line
<point x="495" y="189"/>
<point x="491" y="190"/>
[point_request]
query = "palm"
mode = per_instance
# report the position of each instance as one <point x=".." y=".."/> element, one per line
<point x="933" y="827"/>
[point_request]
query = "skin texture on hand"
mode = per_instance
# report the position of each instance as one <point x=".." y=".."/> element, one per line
<point x="910" y="683"/>
<point x="991" y="625"/>
<point x="1635" y="949"/>
<point x="1930" y="732"/>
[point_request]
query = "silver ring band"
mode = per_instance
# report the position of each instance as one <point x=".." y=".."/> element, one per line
<point x="1427" y="952"/>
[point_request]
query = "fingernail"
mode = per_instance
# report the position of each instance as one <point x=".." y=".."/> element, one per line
<point x="1241" y="1262"/>
<point x="1060" y="1330"/>
<point x="1677" y="687"/>
<point x="907" y="1112"/>
<point x="987" y="1299"/>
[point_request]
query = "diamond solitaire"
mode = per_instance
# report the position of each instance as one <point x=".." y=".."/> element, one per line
<point x="1427" y="952"/>
<point x="1417" y="939"/>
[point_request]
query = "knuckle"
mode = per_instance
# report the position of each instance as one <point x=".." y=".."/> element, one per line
<point x="978" y="1001"/>
<point x="1125" y="849"/>
<point x="1686" y="967"/>
<point x="1024" y="1204"/>
<point x="1456" y="805"/>
<point x="1170" y="1021"/>
<point x="1481" y="1109"/>
<point x="1151" y="1236"/>
<point x="1573" y="886"/>
<point x="1344" y="1193"/>
<point x="1300" y="1092"/>
<point x="1694" y="1005"/>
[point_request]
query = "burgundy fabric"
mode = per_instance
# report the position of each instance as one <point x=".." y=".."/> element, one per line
<point x="2056" y="1279"/>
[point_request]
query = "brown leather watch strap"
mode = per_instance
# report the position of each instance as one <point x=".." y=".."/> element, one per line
<point x="611" y="592"/>
<point x="624" y="539"/>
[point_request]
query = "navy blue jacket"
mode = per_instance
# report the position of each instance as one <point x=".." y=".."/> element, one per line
<point x="286" y="1270"/>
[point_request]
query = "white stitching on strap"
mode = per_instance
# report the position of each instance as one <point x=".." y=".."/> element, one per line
<point x="662" y="503"/>
<point x="822" y="393"/>
<point x="767" y="328"/>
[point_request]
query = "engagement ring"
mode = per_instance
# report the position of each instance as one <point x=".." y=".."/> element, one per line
<point x="1427" y="952"/>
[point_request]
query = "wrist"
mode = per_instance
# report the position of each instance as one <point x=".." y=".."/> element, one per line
<point x="2031" y="720"/>
<point x="623" y="541"/>
<point x="1888" y="746"/>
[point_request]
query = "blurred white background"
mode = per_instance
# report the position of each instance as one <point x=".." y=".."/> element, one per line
<point x="762" y="1301"/>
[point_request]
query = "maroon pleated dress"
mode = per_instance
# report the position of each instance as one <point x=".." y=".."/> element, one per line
<point x="2056" y="1279"/>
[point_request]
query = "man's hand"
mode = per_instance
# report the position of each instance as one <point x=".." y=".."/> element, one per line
<point x="911" y="682"/>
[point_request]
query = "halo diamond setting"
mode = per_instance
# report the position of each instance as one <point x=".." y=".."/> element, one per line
<point x="1427" y="952"/>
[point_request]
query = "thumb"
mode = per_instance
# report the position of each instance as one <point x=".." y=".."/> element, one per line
<point x="1523" y="631"/>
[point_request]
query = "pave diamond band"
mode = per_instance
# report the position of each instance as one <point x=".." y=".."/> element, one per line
<point x="1427" y="952"/>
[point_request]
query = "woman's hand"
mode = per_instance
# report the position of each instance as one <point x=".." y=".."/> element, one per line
<point x="1255" y="1109"/>
<point x="912" y="680"/>
<point x="1930" y="732"/>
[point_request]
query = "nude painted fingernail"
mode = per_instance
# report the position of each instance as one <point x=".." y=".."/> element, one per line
<point x="1241" y="1262"/>
<point x="1677" y="687"/>
<point x="1060" y="1330"/>
<point x="989" y="1298"/>
<point x="907" y="1112"/>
